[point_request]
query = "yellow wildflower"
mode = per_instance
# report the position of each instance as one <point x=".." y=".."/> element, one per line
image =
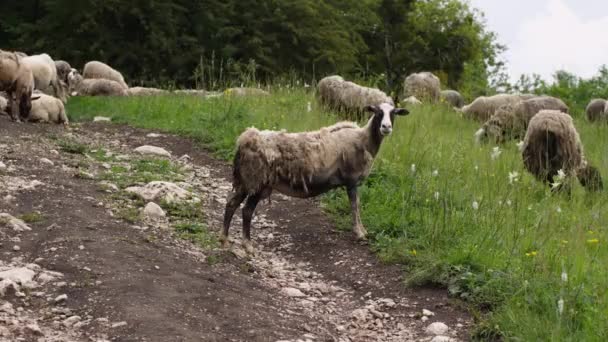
<point x="593" y="241"/>
<point x="564" y="242"/>
<point x="531" y="254"/>
<point x="413" y="252"/>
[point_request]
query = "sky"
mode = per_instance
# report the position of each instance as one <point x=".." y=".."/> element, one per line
<point x="543" y="36"/>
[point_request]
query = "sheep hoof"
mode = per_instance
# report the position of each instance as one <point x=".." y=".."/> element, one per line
<point x="249" y="248"/>
<point x="361" y="233"/>
<point x="225" y="243"/>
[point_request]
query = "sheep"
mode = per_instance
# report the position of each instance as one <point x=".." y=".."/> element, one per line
<point x="306" y="164"/>
<point x="94" y="86"/>
<point x="17" y="80"/>
<point x="3" y="102"/>
<point x="335" y="93"/>
<point x="412" y="100"/>
<point x="45" y="75"/>
<point x="595" y="110"/>
<point x="246" y="92"/>
<point x="95" y="70"/>
<point x="143" y="91"/>
<point x="47" y="108"/>
<point x="552" y="147"/>
<point x="452" y="98"/>
<point x="63" y="70"/>
<point x="483" y="107"/>
<point x="424" y="86"/>
<point x="510" y="121"/>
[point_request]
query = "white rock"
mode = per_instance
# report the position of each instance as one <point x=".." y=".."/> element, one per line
<point x="70" y="321"/>
<point x="427" y="313"/>
<point x="21" y="275"/>
<point x="61" y="298"/>
<point x="153" y="150"/>
<point x="437" y="328"/>
<point x="46" y="161"/>
<point x="2" y="166"/>
<point x="291" y="292"/>
<point x="154" y="135"/>
<point x="7" y="308"/>
<point x="153" y="211"/>
<point x="442" y="339"/>
<point x="16" y="248"/>
<point x="424" y="318"/>
<point x="157" y="191"/>
<point x="48" y="276"/>
<point x="34" y="329"/>
<point x="5" y="285"/>
<point x="118" y="325"/>
<point x="101" y="118"/>
<point x="14" y="223"/>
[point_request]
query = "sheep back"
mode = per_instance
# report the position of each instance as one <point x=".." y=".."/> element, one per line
<point x="47" y="109"/>
<point x="100" y="87"/>
<point x="452" y="98"/>
<point x="63" y="70"/>
<point x="99" y="70"/>
<point x="483" y="107"/>
<point x="595" y="110"/>
<point x="344" y="96"/>
<point x="424" y="86"/>
<point x="246" y="92"/>
<point x="144" y="91"/>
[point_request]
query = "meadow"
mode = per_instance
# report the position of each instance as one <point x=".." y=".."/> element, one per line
<point x="530" y="264"/>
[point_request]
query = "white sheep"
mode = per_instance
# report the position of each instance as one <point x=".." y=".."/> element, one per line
<point x="453" y="98"/>
<point x="3" y="103"/>
<point x="45" y="75"/>
<point x="595" y="110"/>
<point x="552" y="146"/>
<point x="94" y="86"/>
<point x="246" y="92"/>
<point x="47" y="108"/>
<point x="511" y="121"/>
<point x="424" y="86"/>
<point x="17" y="80"/>
<point x="99" y="70"/>
<point x="63" y="70"/>
<point x="145" y="91"/>
<point x="335" y="93"/>
<point x="483" y="107"/>
<point x="306" y="164"/>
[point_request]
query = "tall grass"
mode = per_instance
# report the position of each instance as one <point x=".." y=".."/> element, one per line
<point x="464" y="216"/>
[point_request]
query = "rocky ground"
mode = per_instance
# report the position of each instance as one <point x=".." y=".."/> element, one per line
<point x="109" y="233"/>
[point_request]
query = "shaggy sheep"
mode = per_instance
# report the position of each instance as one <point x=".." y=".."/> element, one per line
<point x="511" y="121"/>
<point x="63" y="70"/>
<point x="94" y="87"/>
<point x="551" y="145"/>
<point x="46" y="108"/>
<point x="483" y="107"/>
<point x="452" y="98"/>
<point x="306" y="164"/>
<point x="424" y="86"/>
<point x="412" y="100"/>
<point x="246" y="92"/>
<point x="143" y="91"/>
<point x="45" y="75"/>
<point x="595" y="109"/>
<point x="335" y="93"/>
<point x="17" y="80"/>
<point x="99" y="70"/>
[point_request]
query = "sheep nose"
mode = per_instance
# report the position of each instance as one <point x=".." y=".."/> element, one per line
<point x="386" y="127"/>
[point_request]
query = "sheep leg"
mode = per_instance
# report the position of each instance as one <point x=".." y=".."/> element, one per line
<point x="15" y="110"/>
<point x="248" y="210"/>
<point x="358" y="227"/>
<point x="233" y="202"/>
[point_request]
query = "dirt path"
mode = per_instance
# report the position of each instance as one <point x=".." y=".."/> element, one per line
<point x="126" y="280"/>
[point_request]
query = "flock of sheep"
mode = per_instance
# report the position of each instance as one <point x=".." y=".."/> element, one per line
<point x="35" y="88"/>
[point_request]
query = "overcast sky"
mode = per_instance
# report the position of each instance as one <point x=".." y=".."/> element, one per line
<point x="543" y="36"/>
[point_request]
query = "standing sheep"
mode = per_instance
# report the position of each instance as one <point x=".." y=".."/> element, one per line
<point x="99" y="70"/>
<point x="551" y="145"/>
<point x="94" y="87"/>
<point x="483" y="107"/>
<point x="45" y="75"/>
<point x="595" y="110"/>
<point x="63" y="70"/>
<point x="18" y="82"/>
<point x="306" y="164"/>
<point x="452" y="98"/>
<point x="424" y="86"/>
<point x="511" y="121"/>
<point x="335" y="93"/>
<point x="47" y="108"/>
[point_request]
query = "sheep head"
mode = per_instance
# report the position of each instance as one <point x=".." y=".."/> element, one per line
<point x="384" y="114"/>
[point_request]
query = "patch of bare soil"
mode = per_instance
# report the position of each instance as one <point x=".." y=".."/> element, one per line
<point x="85" y="266"/>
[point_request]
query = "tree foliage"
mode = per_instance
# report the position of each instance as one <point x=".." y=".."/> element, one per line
<point x="205" y="41"/>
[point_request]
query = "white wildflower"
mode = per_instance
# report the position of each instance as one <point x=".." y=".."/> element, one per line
<point x="560" y="306"/>
<point x="559" y="210"/>
<point x="436" y="195"/>
<point x="513" y="177"/>
<point x="561" y="175"/>
<point x="309" y="107"/>
<point x="495" y="153"/>
<point x="476" y="167"/>
<point x="475" y="205"/>
<point x="520" y="145"/>
<point x="499" y="202"/>
<point x="435" y="173"/>
<point x="413" y="168"/>
<point x="564" y="277"/>
<point x="306" y="85"/>
<point x="509" y="203"/>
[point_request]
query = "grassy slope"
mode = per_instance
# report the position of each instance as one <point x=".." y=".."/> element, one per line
<point x="499" y="245"/>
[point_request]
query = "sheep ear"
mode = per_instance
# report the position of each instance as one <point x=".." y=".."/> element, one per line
<point x="34" y="98"/>
<point x="401" y="111"/>
<point x="371" y="108"/>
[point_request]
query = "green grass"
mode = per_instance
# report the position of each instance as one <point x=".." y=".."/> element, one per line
<point x="506" y="254"/>
<point x="142" y="171"/>
<point x="33" y="217"/>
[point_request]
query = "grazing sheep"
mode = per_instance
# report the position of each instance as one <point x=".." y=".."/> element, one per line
<point x="99" y="70"/>
<point x="424" y="86"/>
<point x="452" y="98"/>
<point x="335" y="93"/>
<point x="306" y="164"/>
<point x="45" y="75"/>
<point x="17" y="80"/>
<point x="94" y="86"/>
<point x="551" y="145"/>
<point x="511" y="121"/>
<point x="47" y="108"/>
<point x="595" y="110"/>
<point x="412" y="100"/>
<point x="63" y="70"/>
<point x="143" y="91"/>
<point x="246" y="92"/>
<point x="483" y="107"/>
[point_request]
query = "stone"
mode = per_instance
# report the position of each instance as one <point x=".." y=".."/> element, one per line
<point x="291" y="292"/>
<point x="101" y="119"/>
<point x="153" y="151"/>
<point x="442" y="339"/>
<point x="46" y="161"/>
<point x="21" y="275"/>
<point x="2" y="166"/>
<point x="14" y="223"/>
<point x="437" y="328"/>
<point x="6" y="285"/>
<point x="118" y="325"/>
<point x="153" y="135"/>
<point x="61" y="298"/>
<point x="159" y="191"/>
<point x="154" y="212"/>
<point x="70" y="321"/>
<point x="33" y="329"/>
<point x="427" y="313"/>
